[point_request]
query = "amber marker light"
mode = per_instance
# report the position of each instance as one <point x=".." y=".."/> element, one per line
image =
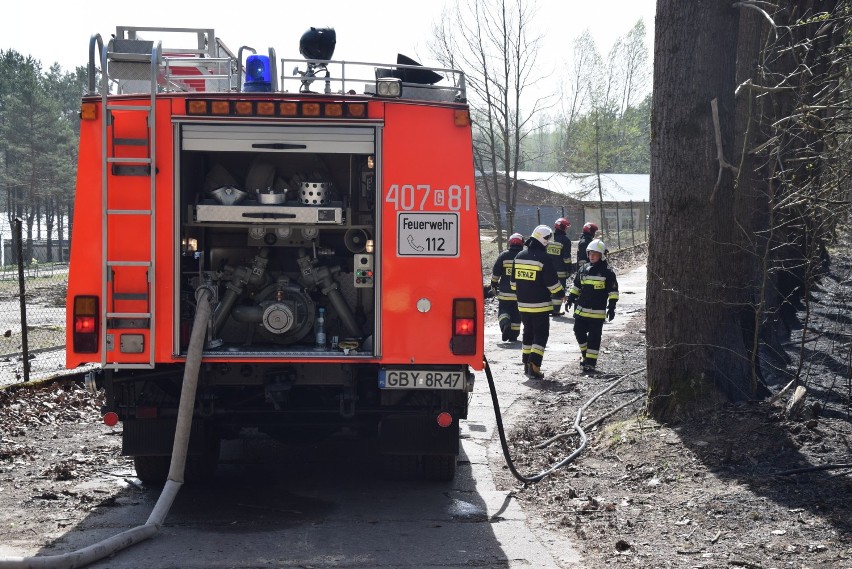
<point x="356" y="110"/>
<point x="333" y="110"/>
<point x="220" y="107"/>
<point x="288" y="109"/>
<point x="311" y="109"/>
<point x="243" y="108"/>
<point x="196" y="107"/>
<point x="461" y="118"/>
<point x="88" y="111"/>
<point x="266" y="108"/>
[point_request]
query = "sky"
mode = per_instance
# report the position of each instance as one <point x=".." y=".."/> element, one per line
<point x="372" y="30"/>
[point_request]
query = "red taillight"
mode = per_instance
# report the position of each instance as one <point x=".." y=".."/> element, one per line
<point x="85" y="336"/>
<point x="444" y="420"/>
<point x="464" y="326"/>
<point x="110" y="419"/>
<point x="84" y="324"/>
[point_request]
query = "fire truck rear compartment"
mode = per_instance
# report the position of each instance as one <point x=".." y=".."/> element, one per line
<point x="277" y="236"/>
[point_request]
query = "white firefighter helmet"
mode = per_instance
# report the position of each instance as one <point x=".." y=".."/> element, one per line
<point x="596" y="245"/>
<point x="542" y="234"/>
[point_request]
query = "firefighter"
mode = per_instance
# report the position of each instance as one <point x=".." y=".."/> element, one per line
<point x="594" y="294"/>
<point x="501" y="281"/>
<point x="589" y="231"/>
<point x="559" y="250"/>
<point x="534" y="281"/>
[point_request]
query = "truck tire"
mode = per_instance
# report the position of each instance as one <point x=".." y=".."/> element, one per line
<point x="439" y="467"/>
<point x="152" y="469"/>
<point x="198" y="468"/>
<point x="400" y="466"/>
<point x="202" y="467"/>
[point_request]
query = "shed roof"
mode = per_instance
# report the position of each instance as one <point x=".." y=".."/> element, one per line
<point x="584" y="187"/>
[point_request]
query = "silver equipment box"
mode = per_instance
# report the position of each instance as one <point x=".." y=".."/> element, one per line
<point x="269" y="214"/>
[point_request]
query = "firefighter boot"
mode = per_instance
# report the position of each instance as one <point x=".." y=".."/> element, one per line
<point x="506" y="328"/>
<point x="534" y="372"/>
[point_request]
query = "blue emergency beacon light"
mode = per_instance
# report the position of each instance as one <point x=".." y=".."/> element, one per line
<point x="258" y="75"/>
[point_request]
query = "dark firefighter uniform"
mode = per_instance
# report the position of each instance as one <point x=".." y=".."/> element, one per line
<point x="559" y="250"/>
<point x="507" y="301"/>
<point x="582" y="243"/>
<point x="534" y="281"/>
<point x="594" y="294"/>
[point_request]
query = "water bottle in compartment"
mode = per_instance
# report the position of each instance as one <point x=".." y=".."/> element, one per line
<point x="319" y="330"/>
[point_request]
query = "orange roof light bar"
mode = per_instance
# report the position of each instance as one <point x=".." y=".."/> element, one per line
<point x="267" y="108"/>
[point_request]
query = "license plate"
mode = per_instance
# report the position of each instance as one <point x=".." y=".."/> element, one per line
<point x="421" y="379"/>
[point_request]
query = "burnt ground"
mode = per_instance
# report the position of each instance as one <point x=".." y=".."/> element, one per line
<point x="741" y="486"/>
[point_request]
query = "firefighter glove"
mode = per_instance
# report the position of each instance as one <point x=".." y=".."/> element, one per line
<point x="569" y="300"/>
<point x="610" y="314"/>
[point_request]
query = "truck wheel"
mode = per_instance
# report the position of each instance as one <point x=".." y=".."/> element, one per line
<point x="198" y="468"/>
<point x="152" y="469"/>
<point x="202" y="467"/>
<point x="400" y="466"/>
<point x="439" y="467"/>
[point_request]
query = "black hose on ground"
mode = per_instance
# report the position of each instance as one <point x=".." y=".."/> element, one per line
<point x="528" y="479"/>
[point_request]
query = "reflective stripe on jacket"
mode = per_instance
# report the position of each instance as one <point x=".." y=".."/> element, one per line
<point x="534" y="279"/>
<point x="595" y="289"/>
<point x="501" y="273"/>
<point x="559" y="251"/>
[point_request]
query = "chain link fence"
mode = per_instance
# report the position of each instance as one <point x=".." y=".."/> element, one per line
<point x="32" y="314"/>
<point x="626" y="222"/>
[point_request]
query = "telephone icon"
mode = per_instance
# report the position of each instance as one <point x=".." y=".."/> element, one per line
<point x="414" y="245"/>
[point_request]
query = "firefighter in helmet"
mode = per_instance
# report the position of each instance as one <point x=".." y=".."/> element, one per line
<point x="559" y="250"/>
<point x="593" y="294"/>
<point x="501" y="281"/>
<point x="589" y="231"/>
<point x="534" y="281"/>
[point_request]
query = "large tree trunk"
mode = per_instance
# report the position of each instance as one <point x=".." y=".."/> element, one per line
<point x="696" y="353"/>
<point x="755" y="200"/>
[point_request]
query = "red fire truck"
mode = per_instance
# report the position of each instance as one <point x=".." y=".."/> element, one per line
<point x="330" y="215"/>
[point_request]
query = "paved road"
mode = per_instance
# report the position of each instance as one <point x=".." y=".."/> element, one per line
<point x="315" y="507"/>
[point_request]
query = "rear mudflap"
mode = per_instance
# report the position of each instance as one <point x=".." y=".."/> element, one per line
<point x="417" y="434"/>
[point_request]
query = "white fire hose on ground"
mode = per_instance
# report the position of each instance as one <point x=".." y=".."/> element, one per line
<point x="125" y="539"/>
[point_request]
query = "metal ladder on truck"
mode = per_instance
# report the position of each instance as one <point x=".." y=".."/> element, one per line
<point x="139" y="66"/>
<point x="124" y="59"/>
